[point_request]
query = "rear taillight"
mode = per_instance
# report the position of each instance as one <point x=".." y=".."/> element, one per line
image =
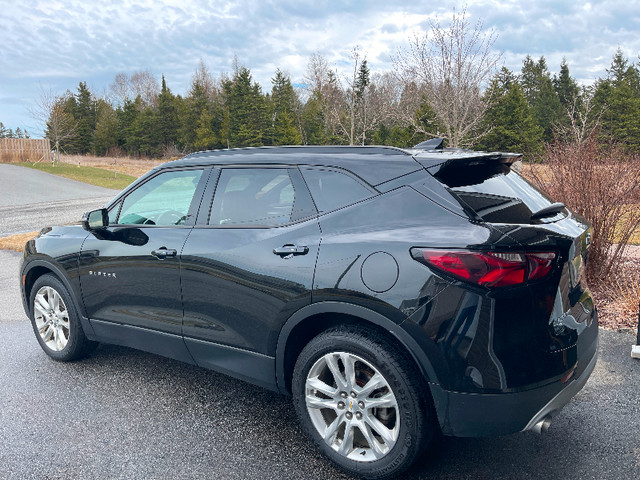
<point x="488" y="269"/>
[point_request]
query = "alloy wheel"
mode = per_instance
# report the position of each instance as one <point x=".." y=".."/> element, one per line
<point x="352" y="406"/>
<point x="51" y="318"/>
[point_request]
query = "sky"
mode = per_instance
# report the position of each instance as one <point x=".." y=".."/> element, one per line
<point x="52" y="45"/>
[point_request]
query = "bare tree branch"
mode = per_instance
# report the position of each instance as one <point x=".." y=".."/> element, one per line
<point x="450" y="66"/>
<point x="57" y="123"/>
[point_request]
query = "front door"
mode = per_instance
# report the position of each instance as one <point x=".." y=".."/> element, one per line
<point x="130" y="271"/>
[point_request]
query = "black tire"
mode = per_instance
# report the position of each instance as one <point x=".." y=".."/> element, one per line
<point x="57" y="328"/>
<point x="410" y="423"/>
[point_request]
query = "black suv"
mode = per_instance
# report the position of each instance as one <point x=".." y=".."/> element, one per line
<point x="393" y="293"/>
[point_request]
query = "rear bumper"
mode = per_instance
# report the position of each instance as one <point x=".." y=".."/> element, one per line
<point x="479" y="415"/>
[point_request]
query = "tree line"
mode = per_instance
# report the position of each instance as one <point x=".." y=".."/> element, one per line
<point x="432" y="91"/>
<point x="10" y="133"/>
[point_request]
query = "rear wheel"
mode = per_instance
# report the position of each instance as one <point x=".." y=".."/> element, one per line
<point x="56" y="322"/>
<point x="362" y="402"/>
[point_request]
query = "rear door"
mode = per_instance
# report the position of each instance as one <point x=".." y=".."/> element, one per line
<point x="246" y="267"/>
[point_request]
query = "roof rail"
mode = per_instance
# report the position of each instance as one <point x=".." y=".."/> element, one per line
<point x="432" y="144"/>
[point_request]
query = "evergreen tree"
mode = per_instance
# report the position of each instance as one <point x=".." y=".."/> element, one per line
<point x="541" y="95"/>
<point x="285" y="129"/>
<point x="248" y="120"/>
<point x="314" y="121"/>
<point x="194" y="105"/>
<point x="142" y="137"/>
<point x="619" y="96"/>
<point x="206" y="137"/>
<point x="510" y="122"/>
<point x="167" y="117"/>
<point x="3" y="131"/>
<point x="84" y="113"/>
<point x="106" y="132"/>
<point x="565" y="86"/>
<point x="127" y="115"/>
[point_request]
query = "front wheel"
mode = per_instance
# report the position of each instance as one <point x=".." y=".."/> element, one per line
<point x="56" y="322"/>
<point x="362" y="402"/>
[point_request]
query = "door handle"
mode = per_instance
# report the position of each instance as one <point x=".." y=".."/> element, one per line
<point x="288" y="251"/>
<point x="163" y="253"/>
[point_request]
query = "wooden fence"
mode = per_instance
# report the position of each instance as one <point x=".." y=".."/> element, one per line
<point x="25" y="150"/>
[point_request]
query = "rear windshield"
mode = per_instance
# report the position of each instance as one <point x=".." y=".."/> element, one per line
<point x="503" y="197"/>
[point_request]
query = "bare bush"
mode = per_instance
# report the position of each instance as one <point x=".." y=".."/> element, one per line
<point x="602" y="185"/>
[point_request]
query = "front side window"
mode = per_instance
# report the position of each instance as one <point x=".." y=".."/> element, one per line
<point x="256" y="197"/>
<point x="164" y="200"/>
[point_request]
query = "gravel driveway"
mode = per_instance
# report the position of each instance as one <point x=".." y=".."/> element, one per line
<point x="31" y="199"/>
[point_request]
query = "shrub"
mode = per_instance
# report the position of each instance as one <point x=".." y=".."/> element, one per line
<point x="602" y="184"/>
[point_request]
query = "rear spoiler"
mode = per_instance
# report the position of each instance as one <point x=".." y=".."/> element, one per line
<point x="460" y="168"/>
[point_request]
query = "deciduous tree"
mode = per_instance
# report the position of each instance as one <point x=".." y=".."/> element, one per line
<point x="451" y="65"/>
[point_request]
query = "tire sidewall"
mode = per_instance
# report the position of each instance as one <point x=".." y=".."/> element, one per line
<point x="377" y="354"/>
<point x="71" y="349"/>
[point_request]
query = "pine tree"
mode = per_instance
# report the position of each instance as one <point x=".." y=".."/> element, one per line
<point x="510" y="121"/>
<point x="194" y="105"/>
<point x="313" y="121"/>
<point x="541" y="95"/>
<point x="84" y="112"/>
<point x="106" y="132"/>
<point x="284" y="126"/>
<point x="565" y="86"/>
<point x="206" y="138"/>
<point x="142" y="137"/>
<point x="619" y="96"/>
<point x="127" y="115"/>
<point x="247" y="110"/>
<point x="167" y="117"/>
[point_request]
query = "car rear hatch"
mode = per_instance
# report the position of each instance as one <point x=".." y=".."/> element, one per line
<point x="562" y="309"/>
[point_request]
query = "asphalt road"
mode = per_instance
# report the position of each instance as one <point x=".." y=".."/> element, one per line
<point x="31" y="199"/>
<point x="131" y="415"/>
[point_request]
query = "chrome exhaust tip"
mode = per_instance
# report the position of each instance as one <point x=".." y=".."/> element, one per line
<point x="543" y="425"/>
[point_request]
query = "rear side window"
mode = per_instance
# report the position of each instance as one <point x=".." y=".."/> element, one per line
<point x="331" y="189"/>
<point x="256" y="197"/>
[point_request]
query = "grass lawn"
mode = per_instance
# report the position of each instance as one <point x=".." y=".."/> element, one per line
<point x="90" y="175"/>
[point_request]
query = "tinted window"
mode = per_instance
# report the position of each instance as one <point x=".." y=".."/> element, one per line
<point x="505" y="199"/>
<point x="163" y="200"/>
<point x="331" y="189"/>
<point x="253" y="197"/>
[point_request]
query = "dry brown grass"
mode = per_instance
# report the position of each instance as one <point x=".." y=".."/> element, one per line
<point x="16" y="242"/>
<point x="129" y="166"/>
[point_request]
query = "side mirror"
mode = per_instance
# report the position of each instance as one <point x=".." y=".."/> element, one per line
<point x="95" y="219"/>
